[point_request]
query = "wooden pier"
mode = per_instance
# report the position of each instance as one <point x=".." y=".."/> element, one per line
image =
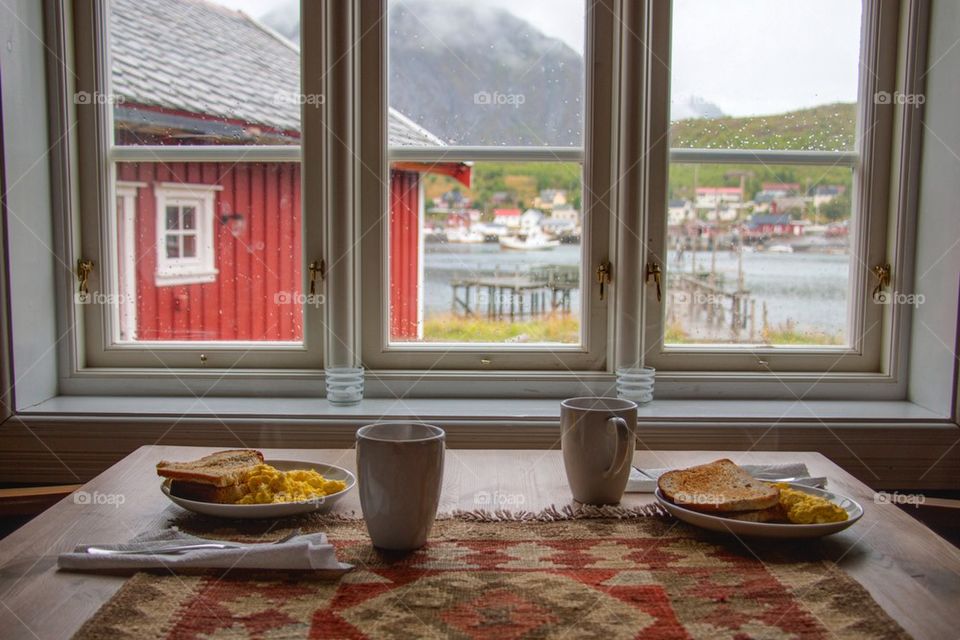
<point x="702" y="301"/>
<point x="539" y="292"/>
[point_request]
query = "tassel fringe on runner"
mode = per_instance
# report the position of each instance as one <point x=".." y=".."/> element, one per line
<point x="553" y="514"/>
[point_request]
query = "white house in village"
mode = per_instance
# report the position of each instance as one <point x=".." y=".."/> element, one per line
<point x="531" y="219"/>
<point x="509" y="218"/>
<point x="550" y="199"/>
<point x="679" y="211"/>
<point x="567" y="214"/>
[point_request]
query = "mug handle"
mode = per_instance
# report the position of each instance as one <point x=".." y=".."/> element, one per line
<point x="623" y="446"/>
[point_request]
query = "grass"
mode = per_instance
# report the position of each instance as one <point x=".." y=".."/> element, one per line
<point x="780" y="335"/>
<point x="787" y="336"/>
<point x="559" y="328"/>
<point x="565" y="329"/>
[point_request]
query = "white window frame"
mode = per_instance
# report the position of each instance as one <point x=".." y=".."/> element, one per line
<point x="869" y="324"/>
<point x="126" y="221"/>
<point x="88" y="364"/>
<point x="594" y="352"/>
<point x="97" y="356"/>
<point x="202" y="267"/>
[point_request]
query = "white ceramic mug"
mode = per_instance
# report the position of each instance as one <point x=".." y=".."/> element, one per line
<point x="598" y="439"/>
<point x="399" y="473"/>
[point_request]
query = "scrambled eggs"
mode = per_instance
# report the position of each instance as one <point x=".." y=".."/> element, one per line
<point x="803" y="508"/>
<point x="267" y="485"/>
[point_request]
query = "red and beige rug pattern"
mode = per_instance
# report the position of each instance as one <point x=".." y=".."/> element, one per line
<point x="601" y="578"/>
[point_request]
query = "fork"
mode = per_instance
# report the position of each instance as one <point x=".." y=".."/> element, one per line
<point x="182" y="547"/>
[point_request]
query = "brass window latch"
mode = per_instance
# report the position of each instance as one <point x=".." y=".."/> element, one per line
<point x="654" y="270"/>
<point x="883" y="273"/>
<point x="604" y="276"/>
<point x="84" y="267"/>
<point x="317" y="269"/>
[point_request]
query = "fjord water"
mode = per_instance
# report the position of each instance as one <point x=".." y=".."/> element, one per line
<point x="807" y="289"/>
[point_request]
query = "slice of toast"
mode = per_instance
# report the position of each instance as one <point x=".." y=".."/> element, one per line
<point x="220" y="469"/>
<point x="202" y="492"/>
<point x="718" y="486"/>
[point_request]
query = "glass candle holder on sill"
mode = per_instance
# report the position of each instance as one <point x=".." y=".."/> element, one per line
<point x="344" y="385"/>
<point x="636" y="383"/>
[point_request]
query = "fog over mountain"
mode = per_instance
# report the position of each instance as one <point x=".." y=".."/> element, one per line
<point x="478" y="75"/>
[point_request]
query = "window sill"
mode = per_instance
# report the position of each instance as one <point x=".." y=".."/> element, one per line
<point x="725" y="412"/>
<point x="886" y="444"/>
<point x="193" y="277"/>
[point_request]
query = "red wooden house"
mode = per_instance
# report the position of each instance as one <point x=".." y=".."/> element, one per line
<point x="212" y="250"/>
<point x="774" y="225"/>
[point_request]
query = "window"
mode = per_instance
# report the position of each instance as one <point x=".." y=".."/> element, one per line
<point x="539" y="190"/>
<point x="198" y="140"/>
<point x="185" y="234"/>
<point x="774" y="208"/>
<point x="494" y="228"/>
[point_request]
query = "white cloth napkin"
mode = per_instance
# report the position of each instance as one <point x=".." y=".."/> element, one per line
<point x="645" y="481"/>
<point x="302" y="552"/>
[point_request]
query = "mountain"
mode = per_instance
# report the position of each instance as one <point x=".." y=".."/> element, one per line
<point x="475" y="75"/>
<point x="686" y="108"/>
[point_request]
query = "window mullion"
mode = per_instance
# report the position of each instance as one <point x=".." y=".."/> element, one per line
<point x="641" y="178"/>
<point x="332" y="69"/>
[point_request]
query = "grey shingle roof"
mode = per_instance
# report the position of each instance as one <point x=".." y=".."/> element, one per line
<point x="197" y="57"/>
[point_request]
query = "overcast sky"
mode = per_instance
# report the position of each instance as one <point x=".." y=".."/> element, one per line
<point x="748" y="57"/>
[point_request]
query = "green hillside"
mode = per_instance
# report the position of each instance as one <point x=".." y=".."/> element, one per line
<point x="829" y="127"/>
<point x="824" y="128"/>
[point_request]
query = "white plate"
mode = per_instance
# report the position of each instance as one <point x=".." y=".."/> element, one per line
<point x="768" y="529"/>
<point x="281" y="510"/>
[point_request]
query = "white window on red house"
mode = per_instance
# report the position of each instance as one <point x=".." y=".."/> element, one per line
<point x="185" y="228"/>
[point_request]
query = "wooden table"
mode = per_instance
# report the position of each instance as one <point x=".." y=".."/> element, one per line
<point x="909" y="570"/>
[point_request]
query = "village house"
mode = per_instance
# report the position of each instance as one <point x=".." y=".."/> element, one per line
<point x="567" y="214"/>
<point x="719" y="204"/>
<point x="779" y="189"/>
<point x="774" y="226"/>
<point x="530" y="219"/>
<point x="826" y="193"/>
<point x="713" y="197"/>
<point x="679" y="210"/>
<point x="199" y="237"/>
<point x="509" y="218"/>
<point x="550" y="199"/>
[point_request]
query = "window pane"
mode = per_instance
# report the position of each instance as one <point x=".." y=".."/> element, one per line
<point x="488" y="72"/>
<point x="186" y="72"/>
<point x="173" y="246"/>
<point x="497" y="261"/>
<point x="758" y="255"/>
<point x="189" y="246"/>
<point x="189" y="218"/>
<point x="765" y="74"/>
<point x="194" y="73"/>
<point x="173" y="217"/>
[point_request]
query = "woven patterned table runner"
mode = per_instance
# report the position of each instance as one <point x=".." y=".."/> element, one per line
<point x="643" y="577"/>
